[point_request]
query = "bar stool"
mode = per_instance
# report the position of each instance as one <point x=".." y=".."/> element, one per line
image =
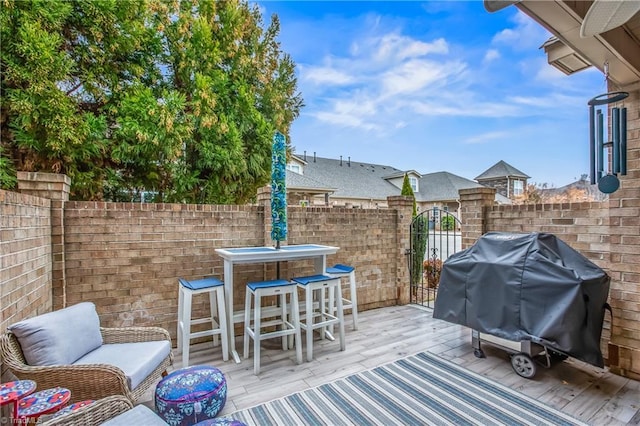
<point x="286" y="326"/>
<point x="340" y="271"/>
<point x="324" y="312"/>
<point x="218" y="318"/>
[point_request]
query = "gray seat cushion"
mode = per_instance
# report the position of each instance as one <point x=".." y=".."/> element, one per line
<point x="136" y="360"/>
<point x="138" y="415"/>
<point x="59" y="337"/>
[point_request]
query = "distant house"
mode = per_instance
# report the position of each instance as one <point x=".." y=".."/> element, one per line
<point x="506" y="179"/>
<point x="318" y="181"/>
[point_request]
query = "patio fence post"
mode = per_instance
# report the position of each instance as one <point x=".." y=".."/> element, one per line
<point x="404" y="210"/>
<point x="474" y="206"/>
<point x="55" y="187"/>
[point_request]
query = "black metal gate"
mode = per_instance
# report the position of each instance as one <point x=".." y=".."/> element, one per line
<point x="435" y="235"/>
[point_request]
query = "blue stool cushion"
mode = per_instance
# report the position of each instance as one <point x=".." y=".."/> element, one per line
<point x="340" y="269"/>
<point x="191" y="395"/>
<point x="268" y="284"/>
<point x="201" y="283"/>
<point x="312" y="279"/>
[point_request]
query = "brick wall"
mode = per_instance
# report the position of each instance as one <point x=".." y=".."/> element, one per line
<point x="125" y="257"/>
<point x="25" y="257"/>
<point x="624" y="206"/>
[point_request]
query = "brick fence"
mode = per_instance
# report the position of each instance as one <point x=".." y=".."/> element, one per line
<point x="125" y="257"/>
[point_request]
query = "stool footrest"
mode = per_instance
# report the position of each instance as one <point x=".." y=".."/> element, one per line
<point x="274" y="334"/>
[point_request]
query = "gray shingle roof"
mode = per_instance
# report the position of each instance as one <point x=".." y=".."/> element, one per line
<point x="442" y="186"/>
<point x="501" y="170"/>
<point x="351" y="179"/>
<point x="302" y="182"/>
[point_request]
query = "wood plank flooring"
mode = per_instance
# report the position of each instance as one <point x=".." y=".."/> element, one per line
<point x="588" y="393"/>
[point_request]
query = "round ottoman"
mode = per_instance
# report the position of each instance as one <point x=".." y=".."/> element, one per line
<point x="190" y="395"/>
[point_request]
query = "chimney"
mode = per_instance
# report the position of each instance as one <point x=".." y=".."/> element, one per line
<point x="341" y="161"/>
<point x="349" y="161"/>
<point x="314" y="156"/>
<point x="305" y="156"/>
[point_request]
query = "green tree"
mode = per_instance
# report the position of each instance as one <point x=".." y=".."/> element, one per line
<point x="408" y="191"/>
<point x="419" y="234"/>
<point x="180" y="98"/>
<point x="63" y="63"/>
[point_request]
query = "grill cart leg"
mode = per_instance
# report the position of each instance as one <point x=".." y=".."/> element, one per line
<point x="523" y="365"/>
<point x="475" y="342"/>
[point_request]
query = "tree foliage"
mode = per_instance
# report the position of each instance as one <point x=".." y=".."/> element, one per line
<point x="419" y="234"/>
<point x="177" y="98"/>
<point x="408" y="191"/>
<point x="576" y="192"/>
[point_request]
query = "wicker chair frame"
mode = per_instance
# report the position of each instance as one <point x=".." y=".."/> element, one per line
<point x="91" y="381"/>
<point x="95" y="413"/>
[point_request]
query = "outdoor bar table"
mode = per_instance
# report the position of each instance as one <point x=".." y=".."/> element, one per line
<point x="235" y="256"/>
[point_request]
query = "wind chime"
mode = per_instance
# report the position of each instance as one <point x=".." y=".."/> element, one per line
<point x="614" y="150"/>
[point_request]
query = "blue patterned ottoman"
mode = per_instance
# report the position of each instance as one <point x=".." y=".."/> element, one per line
<point x="223" y="421"/>
<point x="190" y="395"/>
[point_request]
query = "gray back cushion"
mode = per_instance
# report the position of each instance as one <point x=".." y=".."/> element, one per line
<point x="60" y="337"/>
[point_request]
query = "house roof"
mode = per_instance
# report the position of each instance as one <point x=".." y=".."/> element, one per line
<point x="352" y="179"/>
<point x="296" y="181"/>
<point x="441" y="186"/>
<point x="500" y="170"/>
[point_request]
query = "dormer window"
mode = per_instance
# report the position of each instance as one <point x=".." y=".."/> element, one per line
<point x="413" y="181"/>
<point x="294" y="168"/>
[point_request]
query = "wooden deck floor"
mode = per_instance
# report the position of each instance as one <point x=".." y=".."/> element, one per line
<point x="588" y="393"/>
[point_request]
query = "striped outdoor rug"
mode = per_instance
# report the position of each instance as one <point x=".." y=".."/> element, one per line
<point x="421" y="389"/>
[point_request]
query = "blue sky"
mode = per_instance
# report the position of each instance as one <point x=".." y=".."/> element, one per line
<point x="434" y="86"/>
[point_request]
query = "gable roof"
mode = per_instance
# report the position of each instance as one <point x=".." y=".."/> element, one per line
<point x="351" y="179"/>
<point x="500" y="170"/>
<point x="440" y="186"/>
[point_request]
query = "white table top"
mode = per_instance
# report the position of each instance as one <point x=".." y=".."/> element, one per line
<point x="271" y="254"/>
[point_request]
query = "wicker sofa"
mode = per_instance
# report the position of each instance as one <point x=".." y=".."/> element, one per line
<point x="68" y="348"/>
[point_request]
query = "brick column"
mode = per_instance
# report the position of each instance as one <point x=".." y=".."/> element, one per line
<point x="623" y="351"/>
<point x="474" y="203"/>
<point x="55" y="187"/>
<point x="404" y="208"/>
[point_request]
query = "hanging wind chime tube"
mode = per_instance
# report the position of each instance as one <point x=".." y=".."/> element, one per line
<point x="598" y="148"/>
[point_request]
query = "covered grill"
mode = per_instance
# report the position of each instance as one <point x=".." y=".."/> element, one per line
<point x="527" y="287"/>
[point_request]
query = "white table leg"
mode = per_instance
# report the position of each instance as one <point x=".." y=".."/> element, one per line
<point x="228" y="295"/>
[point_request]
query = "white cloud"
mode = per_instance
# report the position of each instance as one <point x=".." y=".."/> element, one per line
<point x="346" y="120"/>
<point x="325" y="76"/>
<point x="465" y="108"/>
<point x="486" y="137"/>
<point x="525" y="35"/>
<point x="549" y="101"/>
<point x="397" y="47"/>
<point x="491" y="55"/>
<point x="413" y="76"/>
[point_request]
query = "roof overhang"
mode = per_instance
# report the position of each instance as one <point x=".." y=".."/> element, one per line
<point x="619" y="47"/>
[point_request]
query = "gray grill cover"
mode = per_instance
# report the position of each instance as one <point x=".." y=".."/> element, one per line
<point x="527" y="287"/>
